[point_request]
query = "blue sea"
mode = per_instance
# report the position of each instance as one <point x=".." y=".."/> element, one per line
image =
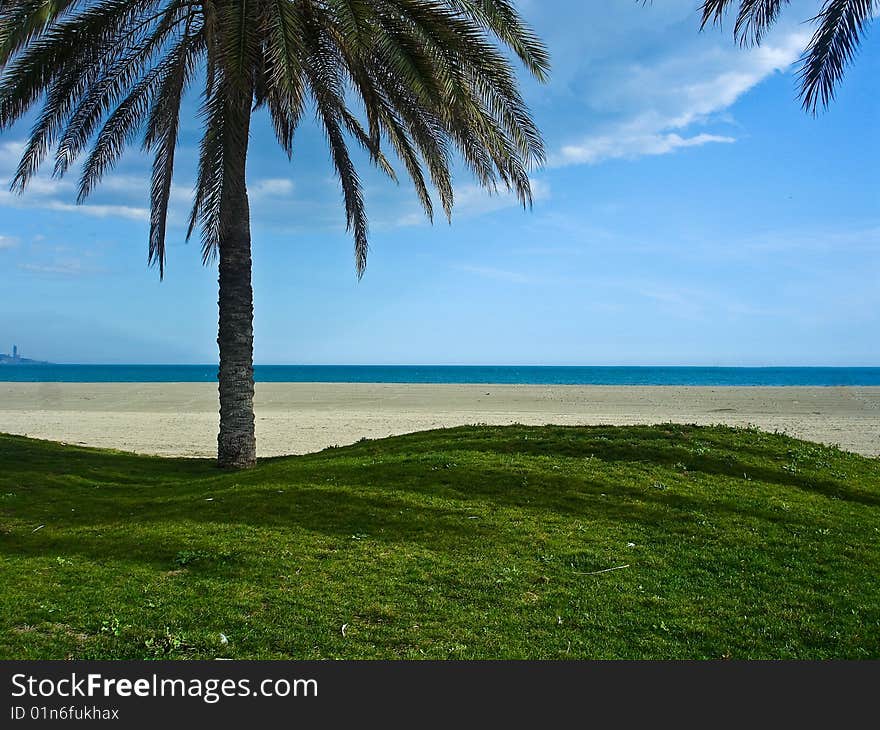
<point x="449" y="374"/>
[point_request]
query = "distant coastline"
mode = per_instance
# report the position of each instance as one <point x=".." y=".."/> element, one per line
<point x="28" y="371"/>
<point x="16" y="360"/>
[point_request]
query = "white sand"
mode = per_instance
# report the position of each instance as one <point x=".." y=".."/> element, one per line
<point x="181" y="418"/>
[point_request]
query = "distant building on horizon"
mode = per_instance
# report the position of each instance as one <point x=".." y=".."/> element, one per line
<point x="15" y="352"/>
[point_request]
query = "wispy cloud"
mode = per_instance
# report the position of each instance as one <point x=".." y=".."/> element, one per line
<point x="100" y="211"/>
<point x="10" y="153"/>
<point x="629" y="145"/>
<point x="47" y="193"/>
<point x="43" y="186"/>
<point x="488" y="272"/>
<point x="858" y="239"/>
<point x="270" y="188"/>
<point x="135" y="185"/>
<point x="68" y="267"/>
<point x="40" y="196"/>
<point x="472" y="201"/>
<point x="7" y="242"/>
<point x="649" y="108"/>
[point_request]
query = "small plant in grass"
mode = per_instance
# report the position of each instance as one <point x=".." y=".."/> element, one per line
<point x="167" y="643"/>
<point x="111" y="626"/>
<point x="185" y="558"/>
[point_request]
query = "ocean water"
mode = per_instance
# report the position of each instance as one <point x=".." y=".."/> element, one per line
<point x="775" y="376"/>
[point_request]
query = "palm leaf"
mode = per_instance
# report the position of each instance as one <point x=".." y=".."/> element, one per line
<point x="841" y="27"/>
<point x="426" y="79"/>
<point x="832" y="48"/>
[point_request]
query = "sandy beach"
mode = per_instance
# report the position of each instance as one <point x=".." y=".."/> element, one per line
<point x="293" y="418"/>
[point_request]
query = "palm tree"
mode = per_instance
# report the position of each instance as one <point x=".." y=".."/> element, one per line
<point x="841" y="24"/>
<point x="429" y="78"/>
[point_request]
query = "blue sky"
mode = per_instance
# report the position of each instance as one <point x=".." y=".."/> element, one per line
<point x="690" y="213"/>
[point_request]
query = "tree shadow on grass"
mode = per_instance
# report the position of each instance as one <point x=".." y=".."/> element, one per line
<point x="376" y="489"/>
<point x="391" y="502"/>
<point x="383" y="502"/>
<point x="536" y="491"/>
<point x="165" y="528"/>
<point x="32" y="459"/>
<point x="652" y="445"/>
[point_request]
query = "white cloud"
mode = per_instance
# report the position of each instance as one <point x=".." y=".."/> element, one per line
<point x="410" y="219"/>
<point x="628" y="110"/>
<point x="473" y="200"/>
<point x="10" y="153"/>
<point x="8" y="242"/>
<point x="137" y="185"/>
<point x="100" y="211"/>
<point x="42" y="194"/>
<point x="488" y="272"/>
<point x="682" y="90"/>
<point x="182" y="194"/>
<point x="815" y="242"/>
<point x="47" y="193"/>
<point x="71" y="267"/>
<point x="270" y="188"/>
<point x="631" y="145"/>
<point x="46" y="186"/>
<point x="40" y="186"/>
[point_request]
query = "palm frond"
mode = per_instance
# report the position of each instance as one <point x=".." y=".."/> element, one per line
<point x="123" y="124"/>
<point x="832" y="48"/>
<point x="326" y="87"/>
<point x="285" y="95"/>
<point x="67" y="51"/>
<point x="22" y="21"/>
<point x="502" y="18"/>
<point x="209" y="181"/>
<point x="841" y="27"/>
<point x="161" y="139"/>
<point x="428" y="80"/>
<point x="117" y="77"/>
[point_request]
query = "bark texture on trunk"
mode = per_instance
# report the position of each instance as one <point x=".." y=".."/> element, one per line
<point x="236" y="442"/>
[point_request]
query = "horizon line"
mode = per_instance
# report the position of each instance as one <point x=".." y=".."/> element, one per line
<point x="454" y="365"/>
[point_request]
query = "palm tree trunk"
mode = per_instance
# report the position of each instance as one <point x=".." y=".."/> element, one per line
<point x="236" y="442"/>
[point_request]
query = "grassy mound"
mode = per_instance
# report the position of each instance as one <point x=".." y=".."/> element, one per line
<point x="642" y="542"/>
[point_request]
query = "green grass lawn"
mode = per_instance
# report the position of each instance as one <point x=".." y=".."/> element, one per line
<point x="466" y="543"/>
